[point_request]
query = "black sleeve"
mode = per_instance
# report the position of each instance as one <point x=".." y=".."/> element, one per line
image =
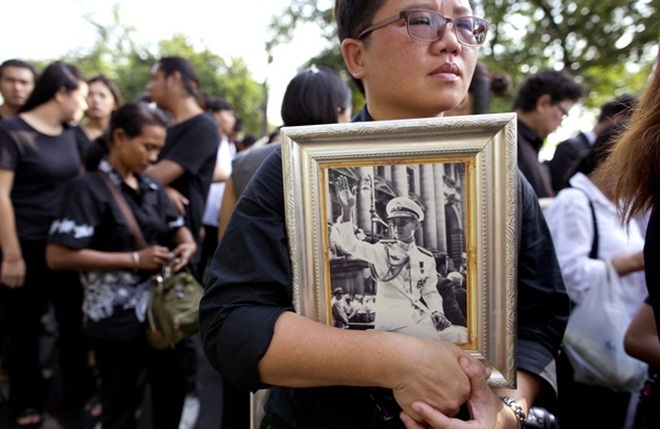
<point x="543" y="303"/>
<point x="250" y="280"/>
<point x="651" y="269"/>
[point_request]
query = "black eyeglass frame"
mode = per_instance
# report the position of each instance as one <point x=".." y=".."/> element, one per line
<point x="405" y="15"/>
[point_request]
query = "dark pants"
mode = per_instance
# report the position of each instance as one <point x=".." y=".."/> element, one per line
<point x="121" y="364"/>
<point x="23" y="309"/>
<point x="586" y="406"/>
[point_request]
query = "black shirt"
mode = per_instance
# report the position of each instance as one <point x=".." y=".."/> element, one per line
<point x="42" y="166"/>
<point x="250" y="286"/>
<point x="193" y="144"/>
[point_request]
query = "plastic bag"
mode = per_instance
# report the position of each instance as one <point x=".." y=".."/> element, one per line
<point x="593" y="340"/>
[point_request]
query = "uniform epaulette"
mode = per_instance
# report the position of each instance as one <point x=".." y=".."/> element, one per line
<point x="424" y="251"/>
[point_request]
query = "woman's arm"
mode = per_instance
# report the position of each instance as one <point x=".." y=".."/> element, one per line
<point x="412" y="367"/>
<point x="229" y="201"/>
<point x="12" y="272"/>
<point x="65" y="258"/>
<point x="641" y="339"/>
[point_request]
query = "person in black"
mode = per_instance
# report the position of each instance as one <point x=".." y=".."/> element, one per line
<point x="186" y="163"/>
<point x="90" y="234"/>
<point x="324" y="377"/>
<point x="38" y="157"/>
<point x="542" y="102"/>
<point x="570" y="152"/>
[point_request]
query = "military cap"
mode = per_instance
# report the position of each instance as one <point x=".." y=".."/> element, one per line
<point x="404" y="207"/>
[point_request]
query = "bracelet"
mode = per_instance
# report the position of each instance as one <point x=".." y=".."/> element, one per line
<point x="136" y="260"/>
<point x="13" y="260"/>
<point x="517" y="410"/>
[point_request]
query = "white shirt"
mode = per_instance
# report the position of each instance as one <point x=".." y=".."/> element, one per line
<point x="226" y="153"/>
<point x="571" y="225"/>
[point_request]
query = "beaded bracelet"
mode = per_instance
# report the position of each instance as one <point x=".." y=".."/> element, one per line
<point x="517" y="410"/>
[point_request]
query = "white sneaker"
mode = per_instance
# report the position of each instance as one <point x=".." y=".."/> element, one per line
<point x="190" y="412"/>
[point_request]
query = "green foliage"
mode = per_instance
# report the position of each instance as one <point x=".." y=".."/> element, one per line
<point x="129" y="65"/>
<point x="605" y="44"/>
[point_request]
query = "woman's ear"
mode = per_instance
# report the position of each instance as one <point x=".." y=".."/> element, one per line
<point x="118" y="136"/>
<point x="353" y="52"/>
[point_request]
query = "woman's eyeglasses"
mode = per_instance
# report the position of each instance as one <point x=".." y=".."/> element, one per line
<point x="428" y="26"/>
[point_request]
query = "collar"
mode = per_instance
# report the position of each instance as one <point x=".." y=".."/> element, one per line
<point x="362" y="116"/>
<point x="529" y="135"/>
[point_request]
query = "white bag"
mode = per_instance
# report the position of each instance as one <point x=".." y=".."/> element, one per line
<point x="593" y="340"/>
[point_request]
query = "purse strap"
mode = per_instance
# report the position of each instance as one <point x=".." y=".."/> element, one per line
<point x="594" y="246"/>
<point x="125" y="210"/>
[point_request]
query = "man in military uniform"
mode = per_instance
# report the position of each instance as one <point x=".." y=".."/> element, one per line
<point x="407" y="299"/>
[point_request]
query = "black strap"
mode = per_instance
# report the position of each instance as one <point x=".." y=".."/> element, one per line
<point x="594" y="246"/>
<point x="140" y="242"/>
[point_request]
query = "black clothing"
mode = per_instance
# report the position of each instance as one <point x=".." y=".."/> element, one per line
<point x="193" y="144"/>
<point x="652" y="269"/>
<point x="567" y="156"/>
<point x="250" y="286"/>
<point x="42" y="166"/>
<point x="529" y="145"/>
<point x="91" y="219"/>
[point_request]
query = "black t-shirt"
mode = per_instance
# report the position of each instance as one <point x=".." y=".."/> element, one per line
<point x="193" y="144"/>
<point x="91" y="219"/>
<point x="651" y="268"/>
<point x="42" y="165"/>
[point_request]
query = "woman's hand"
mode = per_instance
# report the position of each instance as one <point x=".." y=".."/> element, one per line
<point x="153" y="258"/>
<point x="180" y="202"/>
<point x="182" y="254"/>
<point x="486" y="409"/>
<point x="12" y="272"/>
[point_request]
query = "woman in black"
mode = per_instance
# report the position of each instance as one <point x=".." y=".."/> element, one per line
<point x="91" y="235"/>
<point x="38" y="157"/>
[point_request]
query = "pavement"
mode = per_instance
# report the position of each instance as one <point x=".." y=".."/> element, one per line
<point x="209" y="404"/>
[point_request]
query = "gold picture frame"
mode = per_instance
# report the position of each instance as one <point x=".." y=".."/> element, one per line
<point x="462" y="171"/>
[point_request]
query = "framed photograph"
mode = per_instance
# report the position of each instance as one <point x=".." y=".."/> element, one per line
<point x="408" y="226"/>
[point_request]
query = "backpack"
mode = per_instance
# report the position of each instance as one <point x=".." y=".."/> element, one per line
<point x="173" y="312"/>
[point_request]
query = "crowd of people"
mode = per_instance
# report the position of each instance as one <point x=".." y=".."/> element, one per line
<point x="214" y="203"/>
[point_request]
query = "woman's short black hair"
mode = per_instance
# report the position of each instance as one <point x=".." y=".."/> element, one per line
<point x="56" y="76"/>
<point x="315" y="96"/>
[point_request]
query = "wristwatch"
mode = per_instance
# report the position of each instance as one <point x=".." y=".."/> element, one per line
<point x="517" y="410"/>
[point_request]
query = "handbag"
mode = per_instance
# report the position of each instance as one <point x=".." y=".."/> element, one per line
<point x="593" y="340"/>
<point x="173" y="310"/>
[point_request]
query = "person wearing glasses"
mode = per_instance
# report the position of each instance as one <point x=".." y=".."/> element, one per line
<point x="542" y="102"/>
<point x="410" y="62"/>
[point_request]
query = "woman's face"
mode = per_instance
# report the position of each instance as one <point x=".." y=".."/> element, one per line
<point x="225" y="120"/>
<point x="406" y="78"/>
<point x="100" y="101"/>
<point x="137" y="153"/>
<point x="74" y="103"/>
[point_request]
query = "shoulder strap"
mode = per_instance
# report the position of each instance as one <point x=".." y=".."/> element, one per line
<point x="125" y="210"/>
<point x="594" y="246"/>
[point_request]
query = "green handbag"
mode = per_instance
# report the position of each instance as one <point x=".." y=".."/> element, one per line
<point x="173" y="312"/>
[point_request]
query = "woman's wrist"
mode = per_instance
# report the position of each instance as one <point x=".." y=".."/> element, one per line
<point x="516" y="409"/>
<point x="12" y="259"/>
<point x="136" y="260"/>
